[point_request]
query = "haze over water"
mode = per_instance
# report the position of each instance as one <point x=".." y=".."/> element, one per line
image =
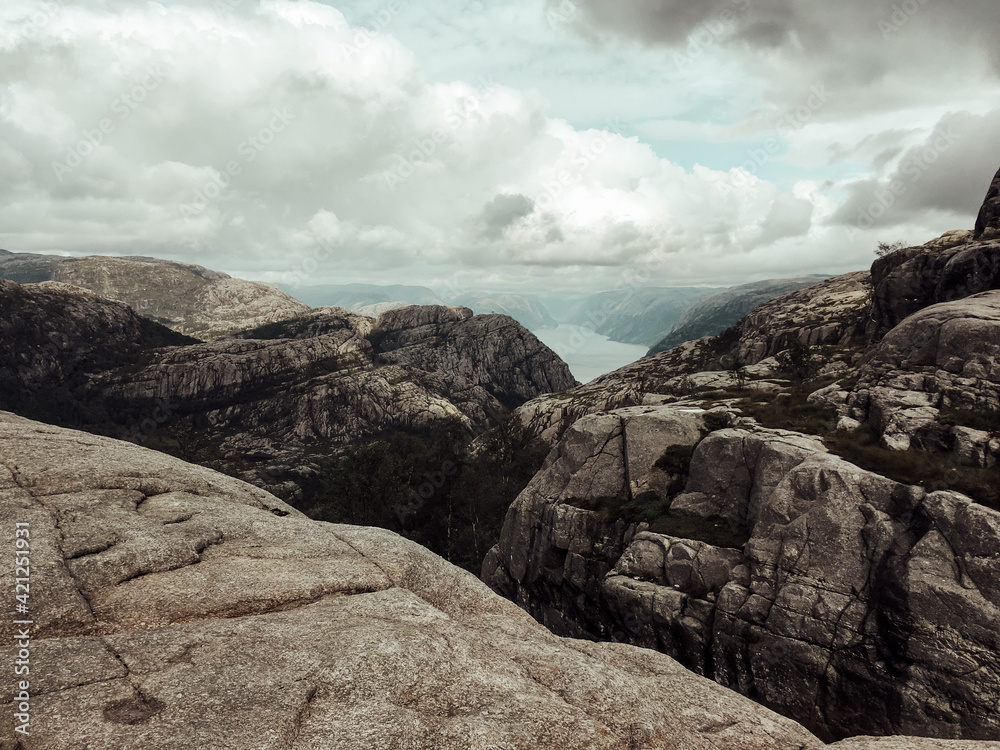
<point x="587" y="353"/>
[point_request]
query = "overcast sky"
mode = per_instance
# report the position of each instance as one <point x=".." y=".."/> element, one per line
<point x="525" y="145"/>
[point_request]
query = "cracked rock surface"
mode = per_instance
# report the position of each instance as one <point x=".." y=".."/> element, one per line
<point x="859" y="605"/>
<point x="177" y="607"/>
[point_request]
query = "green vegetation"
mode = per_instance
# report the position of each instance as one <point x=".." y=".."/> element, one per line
<point x="985" y="420"/>
<point x="427" y="488"/>
<point x="789" y="411"/>
<point x="885" y="249"/>
<point x="934" y="471"/>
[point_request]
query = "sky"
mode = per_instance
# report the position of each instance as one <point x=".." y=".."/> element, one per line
<point x="530" y="145"/>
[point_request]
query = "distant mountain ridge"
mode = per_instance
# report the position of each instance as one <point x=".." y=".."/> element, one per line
<point x="189" y="299"/>
<point x="635" y="316"/>
<point x="712" y="315"/>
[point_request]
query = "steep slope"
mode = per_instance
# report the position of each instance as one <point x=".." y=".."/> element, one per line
<point x="711" y="316"/>
<point x="988" y="221"/>
<point x="636" y="316"/>
<point x="54" y="338"/>
<point x="187" y="298"/>
<point x="183" y="608"/>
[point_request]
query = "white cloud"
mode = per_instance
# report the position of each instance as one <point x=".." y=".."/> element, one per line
<point x="248" y="140"/>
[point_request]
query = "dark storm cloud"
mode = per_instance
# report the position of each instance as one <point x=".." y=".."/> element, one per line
<point x="503" y="211"/>
<point x="948" y="172"/>
<point x="800" y="24"/>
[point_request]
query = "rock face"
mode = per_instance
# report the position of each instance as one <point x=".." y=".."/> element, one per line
<point x="946" y="356"/>
<point x="176" y="607"/>
<point x="54" y="336"/>
<point x="827" y="316"/>
<point x="859" y="605"/>
<point x="713" y="315"/>
<point x="945" y="270"/>
<point x="264" y="399"/>
<point x="186" y="298"/>
<point x="989" y="215"/>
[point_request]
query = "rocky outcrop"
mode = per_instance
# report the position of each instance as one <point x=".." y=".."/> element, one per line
<point x="489" y="351"/>
<point x="826" y="317"/>
<point x="54" y="337"/>
<point x="258" y="403"/>
<point x="943" y="270"/>
<point x="988" y="220"/>
<point x="713" y="315"/>
<point x="176" y="607"/>
<point x="857" y="605"/>
<point x="944" y="357"/>
<point x="186" y="298"/>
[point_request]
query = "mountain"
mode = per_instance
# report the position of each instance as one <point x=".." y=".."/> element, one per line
<point x="635" y="316"/>
<point x="165" y="580"/>
<point x="187" y="298"/>
<point x="805" y="508"/>
<point x="528" y="310"/>
<point x="356" y="296"/>
<point x="355" y="419"/>
<point x="713" y="315"/>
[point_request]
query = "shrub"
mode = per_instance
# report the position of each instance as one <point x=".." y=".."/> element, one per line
<point x="885" y="249"/>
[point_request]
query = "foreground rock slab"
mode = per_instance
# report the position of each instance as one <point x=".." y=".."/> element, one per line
<point x="176" y="607"/>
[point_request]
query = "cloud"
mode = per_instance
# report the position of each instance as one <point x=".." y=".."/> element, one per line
<point x="503" y="211"/>
<point x="947" y="172"/>
<point x="885" y="52"/>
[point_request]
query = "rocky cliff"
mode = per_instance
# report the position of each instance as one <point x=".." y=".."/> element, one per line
<point x="176" y="607"/>
<point x="187" y="298"/>
<point x="847" y="601"/>
<point x="272" y="404"/>
<point x="804" y="509"/>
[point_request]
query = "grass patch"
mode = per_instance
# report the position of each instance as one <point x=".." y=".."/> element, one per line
<point x="791" y="412"/>
<point x="933" y="471"/>
<point x="987" y="420"/>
